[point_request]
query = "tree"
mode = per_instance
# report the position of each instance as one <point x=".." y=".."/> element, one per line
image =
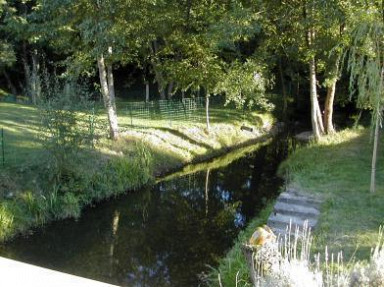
<point x="19" y="26"/>
<point x="196" y="68"/>
<point x="366" y="66"/>
<point x="7" y="56"/>
<point x="7" y="59"/>
<point x="307" y="32"/>
<point x="104" y="32"/>
<point x="244" y="84"/>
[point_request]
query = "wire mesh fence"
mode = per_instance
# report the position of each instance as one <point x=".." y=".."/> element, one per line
<point x="172" y="111"/>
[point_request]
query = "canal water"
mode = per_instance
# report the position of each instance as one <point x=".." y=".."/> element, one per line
<point x="165" y="235"/>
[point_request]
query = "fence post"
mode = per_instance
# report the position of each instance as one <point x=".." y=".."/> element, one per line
<point x="130" y="113"/>
<point x="2" y="146"/>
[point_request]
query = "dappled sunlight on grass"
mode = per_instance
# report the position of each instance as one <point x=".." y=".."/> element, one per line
<point x="46" y="178"/>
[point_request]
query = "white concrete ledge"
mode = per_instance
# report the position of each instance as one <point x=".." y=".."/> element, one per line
<point x="17" y="274"/>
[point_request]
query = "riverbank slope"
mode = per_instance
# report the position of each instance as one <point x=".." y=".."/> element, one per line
<point x="336" y="169"/>
<point x="42" y="180"/>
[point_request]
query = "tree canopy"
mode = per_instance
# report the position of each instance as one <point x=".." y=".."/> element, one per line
<point x="227" y="48"/>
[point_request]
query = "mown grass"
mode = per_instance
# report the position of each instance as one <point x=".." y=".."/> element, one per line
<point x="35" y="190"/>
<point x="338" y="168"/>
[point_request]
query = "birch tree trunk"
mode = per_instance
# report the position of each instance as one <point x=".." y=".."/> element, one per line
<point x="207" y="111"/>
<point x="328" y="109"/>
<point x="27" y="72"/>
<point x="111" y="111"/>
<point x="111" y="82"/>
<point x="315" y="108"/>
<point x="316" y="117"/>
<point x="35" y="78"/>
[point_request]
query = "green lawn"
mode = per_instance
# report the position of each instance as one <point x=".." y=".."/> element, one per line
<point x="338" y="168"/>
<point x="38" y="185"/>
<point x="21" y="129"/>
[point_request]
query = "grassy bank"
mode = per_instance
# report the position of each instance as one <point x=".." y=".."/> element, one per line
<point x="44" y="180"/>
<point x="338" y="169"/>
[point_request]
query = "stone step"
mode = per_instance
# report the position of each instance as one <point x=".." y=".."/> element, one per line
<point x="295" y="198"/>
<point x="280" y="221"/>
<point x="303" y="211"/>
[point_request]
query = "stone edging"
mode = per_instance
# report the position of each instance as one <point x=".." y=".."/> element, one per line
<point x="294" y="208"/>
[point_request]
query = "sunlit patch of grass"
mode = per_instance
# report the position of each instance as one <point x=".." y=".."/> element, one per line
<point x="36" y="188"/>
<point x="338" y="167"/>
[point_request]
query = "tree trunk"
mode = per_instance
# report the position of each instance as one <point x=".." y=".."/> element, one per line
<point x="27" y="72"/>
<point x="11" y="86"/>
<point x="316" y="117"/>
<point x="35" y="78"/>
<point x="284" y="90"/>
<point x="111" y="82"/>
<point x="207" y="111"/>
<point x="331" y="90"/>
<point x="111" y="111"/>
<point x="158" y="75"/>
<point x="374" y="154"/>
<point x="147" y="92"/>
<point x="170" y="90"/>
<point x="328" y="109"/>
<point x="315" y="108"/>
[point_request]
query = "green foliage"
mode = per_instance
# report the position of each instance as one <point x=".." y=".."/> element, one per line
<point x="196" y="67"/>
<point x="68" y="125"/>
<point x="245" y="85"/>
<point x="7" y="55"/>
<point x="365" y="61"/>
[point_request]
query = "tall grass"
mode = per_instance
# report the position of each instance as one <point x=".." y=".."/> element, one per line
<point x="287" y="262"/>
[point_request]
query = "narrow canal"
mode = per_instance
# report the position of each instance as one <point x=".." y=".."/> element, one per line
<point x="164" y="235"/>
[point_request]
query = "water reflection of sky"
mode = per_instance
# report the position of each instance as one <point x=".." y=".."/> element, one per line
<point x="160" y="236"/>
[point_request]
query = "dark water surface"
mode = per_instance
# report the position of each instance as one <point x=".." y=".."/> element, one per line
<point x="164" y="235"/>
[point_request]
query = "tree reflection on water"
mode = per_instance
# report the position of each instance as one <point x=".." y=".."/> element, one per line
<point x="164" y="235"/>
